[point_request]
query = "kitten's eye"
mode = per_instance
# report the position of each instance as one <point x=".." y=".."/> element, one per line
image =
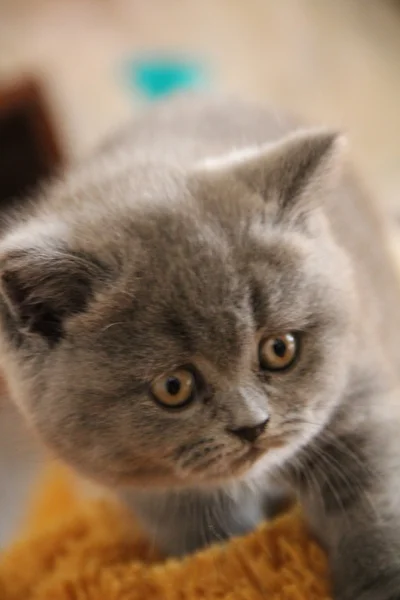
<point x="175" y="389"/>
<point x="277" y="352"/>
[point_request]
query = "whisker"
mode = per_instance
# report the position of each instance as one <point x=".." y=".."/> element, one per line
<point x="110" y="325"/>
<point x="200" y="468"/>
<point x="323" y="463"/>
<point x="209" y="517"/>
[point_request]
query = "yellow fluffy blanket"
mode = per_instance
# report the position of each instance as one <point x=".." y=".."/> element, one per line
<point x="71" y="549"/>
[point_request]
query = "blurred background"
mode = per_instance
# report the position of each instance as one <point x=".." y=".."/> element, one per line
<point x="69" y="76"/>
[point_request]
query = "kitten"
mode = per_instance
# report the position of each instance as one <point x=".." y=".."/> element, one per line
<point x="203" y="317"/>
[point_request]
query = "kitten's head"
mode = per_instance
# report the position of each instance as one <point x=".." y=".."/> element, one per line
<point x="181" y="326"/>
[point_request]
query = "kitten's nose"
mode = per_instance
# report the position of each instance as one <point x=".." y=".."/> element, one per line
<point x="250" y="434"/>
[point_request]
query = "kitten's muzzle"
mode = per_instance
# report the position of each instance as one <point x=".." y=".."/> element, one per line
<point x="252" y="433"/>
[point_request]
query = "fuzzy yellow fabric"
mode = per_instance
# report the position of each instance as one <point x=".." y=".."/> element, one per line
<point x="71" y="549"/>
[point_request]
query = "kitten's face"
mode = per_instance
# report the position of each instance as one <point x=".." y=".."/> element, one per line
<point x="186" y="343"/>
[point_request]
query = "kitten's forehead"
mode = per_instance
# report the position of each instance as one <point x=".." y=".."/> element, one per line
<point x="186" y="295"/>
<point x="199" y="290"/>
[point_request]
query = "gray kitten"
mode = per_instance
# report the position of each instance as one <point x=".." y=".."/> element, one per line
<point x="204" y="317"/>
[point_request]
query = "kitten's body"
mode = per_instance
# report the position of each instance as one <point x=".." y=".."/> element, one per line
<point x="185" y="241"/>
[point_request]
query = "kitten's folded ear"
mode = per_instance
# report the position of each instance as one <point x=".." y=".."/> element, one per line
<point x="41" y="286"/>
<point x="296" y="173"/>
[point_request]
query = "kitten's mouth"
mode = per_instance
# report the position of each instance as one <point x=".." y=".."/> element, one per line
<point x="249" y="458"/>
<point x="254" y="453"/>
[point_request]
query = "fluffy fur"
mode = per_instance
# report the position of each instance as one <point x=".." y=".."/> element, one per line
<point x="206" y="227"/>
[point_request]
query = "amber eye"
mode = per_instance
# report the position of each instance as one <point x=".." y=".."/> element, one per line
<point x="277" y="352"/>
<point x="174" y="389"/>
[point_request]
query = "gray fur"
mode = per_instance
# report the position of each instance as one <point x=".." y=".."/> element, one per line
<point x="157" y="253"/>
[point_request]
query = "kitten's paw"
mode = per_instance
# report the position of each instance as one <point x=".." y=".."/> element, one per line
<point x="383" y="587"/>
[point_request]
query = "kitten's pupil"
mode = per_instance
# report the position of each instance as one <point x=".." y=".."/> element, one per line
<point x="280" y="348"/>
<point x="173" y="386"/>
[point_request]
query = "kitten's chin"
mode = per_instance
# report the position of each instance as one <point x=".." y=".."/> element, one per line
<point x="247" y="461"/>
<point x="269" y="461"/>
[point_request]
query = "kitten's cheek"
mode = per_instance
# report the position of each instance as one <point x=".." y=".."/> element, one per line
<point x="181" y="472"/>
<point x="185" y="472"/>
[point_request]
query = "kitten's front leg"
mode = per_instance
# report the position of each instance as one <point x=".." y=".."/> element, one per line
<point x="349" y="503"/>
<point x="366" y="563"/>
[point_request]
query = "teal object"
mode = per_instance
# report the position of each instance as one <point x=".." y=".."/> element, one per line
<point x="156" y="78"/>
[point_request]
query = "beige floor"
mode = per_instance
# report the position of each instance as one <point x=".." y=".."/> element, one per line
<point x="333" y="61"/>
